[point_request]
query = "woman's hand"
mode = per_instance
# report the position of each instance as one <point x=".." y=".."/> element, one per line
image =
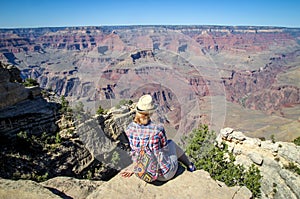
<point x="126" y="173"/>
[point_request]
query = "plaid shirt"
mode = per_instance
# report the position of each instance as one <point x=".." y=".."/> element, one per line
<point x="154" y="135"/>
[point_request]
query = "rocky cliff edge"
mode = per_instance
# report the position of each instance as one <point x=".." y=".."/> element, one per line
<point x="186" y="185"/>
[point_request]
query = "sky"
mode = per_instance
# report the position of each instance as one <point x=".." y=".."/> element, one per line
<point x="65" y="13"/>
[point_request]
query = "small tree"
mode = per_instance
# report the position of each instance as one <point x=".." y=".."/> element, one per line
<point x="100" y="110"/>
<point x="219" y="162"/>
<point x="65" y="108"/>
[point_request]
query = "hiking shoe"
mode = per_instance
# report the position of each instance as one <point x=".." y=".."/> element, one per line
<point x="191" y="168"/>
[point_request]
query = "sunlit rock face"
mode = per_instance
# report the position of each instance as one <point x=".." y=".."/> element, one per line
<point x="271" y="157"/>
<point x="118" y="187"/>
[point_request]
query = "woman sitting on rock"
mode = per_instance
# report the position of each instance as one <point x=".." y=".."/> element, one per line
<point x="143" y="133"/>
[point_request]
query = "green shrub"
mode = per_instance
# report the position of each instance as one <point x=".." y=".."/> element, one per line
<point x="100" y="110"/>
<point x="297" y="141"/>
<point x="65" y="107"/>
<point x="201" y="148"/>
<point x="293" y="167"/>
<point x="22" y="135"/>
<point x="30" y="82"/>
<point x="31" y="176"/>
<point x="89" y="175"/>
<point x="252" y="180"/>
<point x="41" y="178"/>
<point x="57" y="138"/>
<point x="273" y="138"/>
<point x="123" y="102"/>
<point x="66" y="110"/>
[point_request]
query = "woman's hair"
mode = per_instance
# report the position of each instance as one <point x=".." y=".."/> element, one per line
<point x="142" y="118"/>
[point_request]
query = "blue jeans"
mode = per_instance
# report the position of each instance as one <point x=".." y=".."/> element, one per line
<point x="173" y="152"/>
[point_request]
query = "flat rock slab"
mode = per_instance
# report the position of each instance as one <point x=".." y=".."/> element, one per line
<point x="187" y="185"/>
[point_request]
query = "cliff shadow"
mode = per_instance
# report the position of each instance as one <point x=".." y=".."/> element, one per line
<point x="58" y="193"/>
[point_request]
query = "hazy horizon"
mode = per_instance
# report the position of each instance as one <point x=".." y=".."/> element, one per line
<point x="148" y="25"/>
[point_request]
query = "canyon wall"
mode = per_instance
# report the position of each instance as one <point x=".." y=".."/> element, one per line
<point x="183" y="67"/>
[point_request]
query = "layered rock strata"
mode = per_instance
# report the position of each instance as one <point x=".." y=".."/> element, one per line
<point x="23" y="108"/>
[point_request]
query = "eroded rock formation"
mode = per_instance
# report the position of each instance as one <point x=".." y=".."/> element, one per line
<point x="272" y="158"/>
<point x="23" y="108"/>
<point x="37" y="142"/>
<point x="248" y="88"/>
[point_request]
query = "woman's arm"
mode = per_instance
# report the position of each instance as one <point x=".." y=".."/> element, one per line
<point x="128" y="171"/>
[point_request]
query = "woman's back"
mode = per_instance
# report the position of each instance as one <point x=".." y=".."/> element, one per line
<point x="151" y="134"/>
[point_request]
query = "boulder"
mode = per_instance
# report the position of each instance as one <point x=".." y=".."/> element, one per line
<point x="225" y="132"/>
<point x="256" y="158"/>
<point x="11" y="89"/>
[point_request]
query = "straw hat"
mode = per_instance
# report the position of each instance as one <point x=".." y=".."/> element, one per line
<point x="145" y="104"/>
